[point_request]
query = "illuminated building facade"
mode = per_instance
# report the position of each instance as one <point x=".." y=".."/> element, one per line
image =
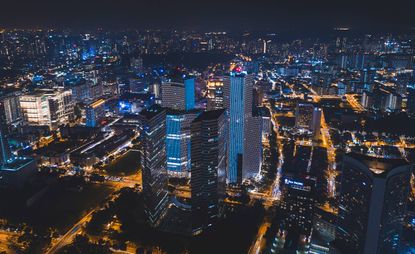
<point x="47" y="107"/>
<point x="178" y="95"/>
<point x="316" y="123"/>
<point x="208" y="167"/>
<point x="298" y="206"/>
<point x="5" y="153"/>
<point x="372" y="205"/>
<point x="95" y="112"/>
<point x="303" y="115"/>
<point x="238" y="102"/>
<point x="11" y="109"/>
<point x="215" y="93"/>
<point x="153" y="160"/>
<point x="178" y="141"/>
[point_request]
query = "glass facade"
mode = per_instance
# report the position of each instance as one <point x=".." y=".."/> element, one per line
<point x="189" y="85"/>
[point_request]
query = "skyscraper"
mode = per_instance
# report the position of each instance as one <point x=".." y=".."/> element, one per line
<point x="153" y="161"/>
<point x="238" y="103"/>
<point x="4" y="148"/>
<point x="95" y="112"/>
<point x="372" y="206"/>
<point x="303" y="115"/>
<point x="214" y="93"/>
<point x="208" y="167"/>
<point x="297" y="207"/>
<point x="316" y="123"/>
<point x="5" y="153"/>
<point x="178" y="93"/>
<point x="10" y="106"/>
<point x="178" y="141"/>
<point x="47" y="107"/>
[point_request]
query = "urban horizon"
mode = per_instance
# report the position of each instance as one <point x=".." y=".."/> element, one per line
<point x="207" y="127"/>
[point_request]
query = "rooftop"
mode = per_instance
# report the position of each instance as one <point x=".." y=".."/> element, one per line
<point x="151" y="112"/>
<point x="209" y="115"/>
<point x="16" y="164"/>
<point x="378" y="165"/>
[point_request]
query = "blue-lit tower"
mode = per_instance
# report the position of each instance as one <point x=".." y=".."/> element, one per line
<point x="238" y="103"/>
<point x="178" y="141"/>
<point x="189" y="87"/>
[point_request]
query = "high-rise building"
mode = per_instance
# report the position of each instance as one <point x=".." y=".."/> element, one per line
<point x="252" y="158"/>
<point x="87" y="90"/>
<point x="10" y="106"/>
<point x="153" y="161"/>
<point x="316" y="123"/>
<point x="297" y="207"/>
<point x="303" y="115"/>
<point x="155" y="89"/>
<point x="214" y="93"/>
<point x="179" y="95"/>
<point x="5" y="153"/>
<point x="95" y="112"/>
<point x="178" y="141"/>
<point x="238" y="103"/>
<point x="136" y="64"/>
<point x="372" y="206"/>
<point x="208" y="167"/>
<point x="47" y="107"/>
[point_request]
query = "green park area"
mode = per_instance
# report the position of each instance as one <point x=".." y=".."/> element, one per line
<point x="124" y="165"/>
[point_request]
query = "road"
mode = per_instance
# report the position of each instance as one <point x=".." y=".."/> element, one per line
<point x="259" y="242"/>
<point x="70" y="235"/>
<point x="351" y="99"/>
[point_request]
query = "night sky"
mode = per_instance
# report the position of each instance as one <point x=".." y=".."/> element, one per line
<point x="299" y="15"/>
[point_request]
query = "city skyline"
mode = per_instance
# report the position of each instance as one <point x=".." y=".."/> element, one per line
<point x="175" y="127"/>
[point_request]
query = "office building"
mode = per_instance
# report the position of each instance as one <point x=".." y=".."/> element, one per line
<point x="297" y="207"/>
<point x="238" y="103"/>
<point x="95" y="112"/>
<point x="153" y="162"/>
<point x="86" y="91"/>
<point x="372" y="206"/>
<point x="214" y="93"/>
<point x="208" y="168"/>
<point x="10" y="106"/>
<point x="303" y="115"/>
<point x="178" y="141"/>
<point x="178" y="93"/>
<point x="252" y="158"/>
<point x="16" y="172"/>
<point x="5" y="153"/>
<point x="47" y="107"/>
<point x="316" y="123"/>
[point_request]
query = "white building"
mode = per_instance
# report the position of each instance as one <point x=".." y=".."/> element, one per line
<point x="47" y="107"/>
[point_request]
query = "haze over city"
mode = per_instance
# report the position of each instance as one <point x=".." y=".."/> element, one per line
<point x="254" y="127"/>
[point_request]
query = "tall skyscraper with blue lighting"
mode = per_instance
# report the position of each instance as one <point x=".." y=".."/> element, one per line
<point x="238" y="103"/>
<point x="178" y="141"/>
